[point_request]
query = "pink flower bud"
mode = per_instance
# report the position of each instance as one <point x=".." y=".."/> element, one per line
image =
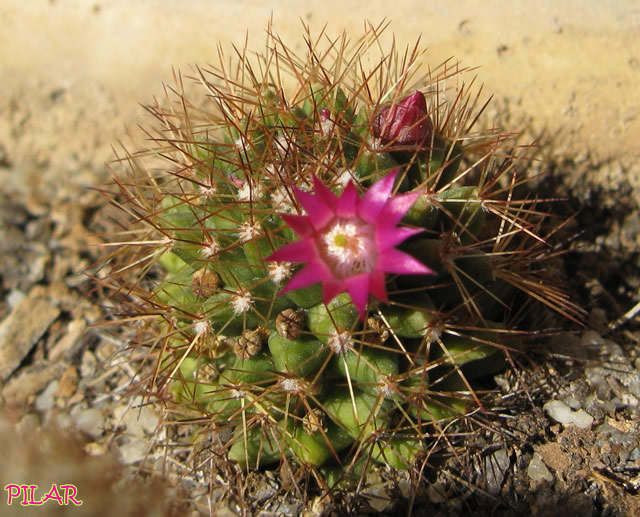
<point x="404" y="124"/>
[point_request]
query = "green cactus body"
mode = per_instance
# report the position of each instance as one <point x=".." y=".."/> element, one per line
<point x="399" y="453"/>
<point x="256" y="447"/>
<point x="190" y="389"/>
<point x="297" y="377"/>
<point x="358" y="412"/>
<point x="367" y="368"/>
<point x="338" y="316"/>
<point x="317" y="447"/>
<point x="302" y="357"/>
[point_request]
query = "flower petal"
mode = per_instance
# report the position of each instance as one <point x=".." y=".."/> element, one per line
<point x="298" y="251"/>
<point x="318" y="211"/>
<point x="397" y="207"/>
<point x="348" y="202"/>
<point x="377" y="197"/>
<point x="332" y="288"/>
<point x="377" y="285"/>
<point x="312" y="273"/>
<point x="358" y="287"/>
<point x="390" y="236"/>
<point x="329" y="198"/>
<point x="395" y="261"/>
<point x="299" y="224"/>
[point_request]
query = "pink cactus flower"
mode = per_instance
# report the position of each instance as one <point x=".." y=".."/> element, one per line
<point x="348" y="242"/>
<point x="404" y="124"/>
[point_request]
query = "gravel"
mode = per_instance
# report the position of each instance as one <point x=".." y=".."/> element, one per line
<point x="563" y="414"/>
<point x="537" y="470"/>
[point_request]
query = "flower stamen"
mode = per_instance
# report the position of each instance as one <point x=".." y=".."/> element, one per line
<point x="349" y="248"/>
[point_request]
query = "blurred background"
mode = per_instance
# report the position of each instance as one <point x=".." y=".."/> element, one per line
<point x="75" y="72"/>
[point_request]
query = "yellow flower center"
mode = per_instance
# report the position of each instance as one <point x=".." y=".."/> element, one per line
<point x="340" y="240"/>
<point x="349" y="248"/>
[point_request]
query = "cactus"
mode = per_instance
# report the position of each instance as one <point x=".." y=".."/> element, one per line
<point x="329" y="256"/>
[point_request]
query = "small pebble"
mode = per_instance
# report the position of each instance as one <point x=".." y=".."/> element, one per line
<point x="64" y="421"/>
<point x="89" y="421"/>
<point x="595" y="377"/>
<point x="591" y="337"/>
<point x="95" y="449"/>
<point x="614" y="349"/>
<point x="615" y="436"/>
<point x="537" y="469"/>
<point x="572" y="402"/>
<point x="15" y="297"/>
<point x="134" y="450"/>
<point x="88" y="365"/>
<point x="139" y="421"/>
<point x="46" y="400"/>
<point x="597" y="407"/>
<point x="404" y="484"/>
<point x="319" y="506"/>
<point x="377" y="497"/>
<point x="496" y="466"/>
<point x="563" y="414"/>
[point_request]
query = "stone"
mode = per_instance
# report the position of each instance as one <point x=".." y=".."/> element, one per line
<point x="537" y="470"/>
<point x="23" y="327"/>
<point x="563" y="414"/>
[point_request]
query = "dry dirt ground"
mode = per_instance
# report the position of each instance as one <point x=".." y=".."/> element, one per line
<point x="73" y="75"/>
